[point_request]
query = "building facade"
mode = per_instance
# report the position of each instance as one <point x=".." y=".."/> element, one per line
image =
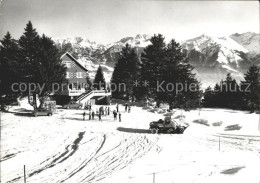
<point x="76" y="75"/>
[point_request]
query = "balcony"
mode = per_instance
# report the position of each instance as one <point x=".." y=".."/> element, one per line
<point x="75" y="92"/>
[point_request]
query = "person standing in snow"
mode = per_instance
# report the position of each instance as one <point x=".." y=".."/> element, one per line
<point x="93" y="115"/>
<point x="84" y="114"/>
<point x="126" y="105"/>
<point x="129" y="109"/>
<point x="108" y="111"/>
<point x="89" y="115"/>
<point x="119" y="116"/>
<point x="99" y="116"/>
<point x="117" y="107"/>
<point x="115" y="114"/>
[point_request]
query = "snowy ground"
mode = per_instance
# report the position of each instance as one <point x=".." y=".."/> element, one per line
<point x="64" y="148"/>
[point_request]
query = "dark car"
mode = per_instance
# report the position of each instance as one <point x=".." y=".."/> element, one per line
<point x="73" y="105"/>
<point x="167" y="126"/>
<point x="42" y="112"/>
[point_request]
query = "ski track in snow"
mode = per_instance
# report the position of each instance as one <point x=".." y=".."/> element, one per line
<point x="78" y="157"/>
<point x="67" y="149"/>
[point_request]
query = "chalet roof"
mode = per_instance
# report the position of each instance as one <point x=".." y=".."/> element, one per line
<point x="74" y="59"/>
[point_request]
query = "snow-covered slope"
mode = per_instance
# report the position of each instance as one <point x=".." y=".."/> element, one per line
<point x="214" y="57"/>
<point x="249" y="40"/>
<point x="226" y="47"/>
<point x="64" y="148"/>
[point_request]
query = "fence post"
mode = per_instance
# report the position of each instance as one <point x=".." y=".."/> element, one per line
<point x="153" y="177"/>
<point x="24" y="174"/>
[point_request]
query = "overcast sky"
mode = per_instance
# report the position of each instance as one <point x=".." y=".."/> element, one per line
<point x="108" y="21"/>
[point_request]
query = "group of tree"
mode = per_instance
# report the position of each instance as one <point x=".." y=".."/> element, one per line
<point x="31" y="59"/>
<point x="230" y="94"/>
<point x="156" y="75"/>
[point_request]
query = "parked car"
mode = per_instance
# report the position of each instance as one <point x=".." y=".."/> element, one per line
<point x="73" y="105"/>
<point x="42" y="112"/>
<point x="167" y="126"/>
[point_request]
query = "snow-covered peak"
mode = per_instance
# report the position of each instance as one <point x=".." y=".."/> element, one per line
<point x="204" y="41"/>
<point x="79" y="42"/>
<point x="249" y="40"/>
<point x="140" y="40"/>
<point x="229" y="43"/>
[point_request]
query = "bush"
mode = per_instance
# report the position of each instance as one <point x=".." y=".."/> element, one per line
<point x="147" y="107"/>
<point x="219" y="123"/>
<point x="154" y="110"/>
<point x="161" y="111"/>
<point x="201" y="121"/>
<point x="168" y="114"/>
<point x="233" y="127"/>
<point x="179" y="116"/>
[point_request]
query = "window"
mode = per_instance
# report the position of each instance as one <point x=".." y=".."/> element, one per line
<point x="67" y="75"/>
<point x="67" y="64"/>
<point x="79" y="74"/>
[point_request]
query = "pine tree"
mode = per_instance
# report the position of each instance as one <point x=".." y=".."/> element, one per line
<point x="176" y="70"/>
<point x="125" y="74"/>
<point x="208" y="100"/>
<point x="29" y="46"/>
<point x="40" y="65"/>
<point x="99" y="81"/>
<point x="8" y="63"/>
<point x="49" y="68"/>
<point x="151" y="60"/>
<point x="252" y="93"/>
<point x="8" y="69"/>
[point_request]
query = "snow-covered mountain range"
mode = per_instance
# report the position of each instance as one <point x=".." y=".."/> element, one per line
<point x="212" y="57"/>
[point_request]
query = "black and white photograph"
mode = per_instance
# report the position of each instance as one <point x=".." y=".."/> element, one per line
<point x="129" y="91"/>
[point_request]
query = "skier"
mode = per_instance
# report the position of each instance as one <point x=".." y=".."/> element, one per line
<point x="129" y="109"/>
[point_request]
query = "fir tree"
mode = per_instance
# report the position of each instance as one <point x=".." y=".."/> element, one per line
<point x="125" y="74"/>
<point x="178" y="71"/>
<point x="99" y="81"/>
<point x="151" y="60"/>
<point x="8" y="69"/>
<point x="209" y="98"/>
<point x="29" y="46"/>
<point x="164" y="65"/>
<point x="251" y="88"/>
<point x="40" y="64"/>
<point x="49" y="68"/>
